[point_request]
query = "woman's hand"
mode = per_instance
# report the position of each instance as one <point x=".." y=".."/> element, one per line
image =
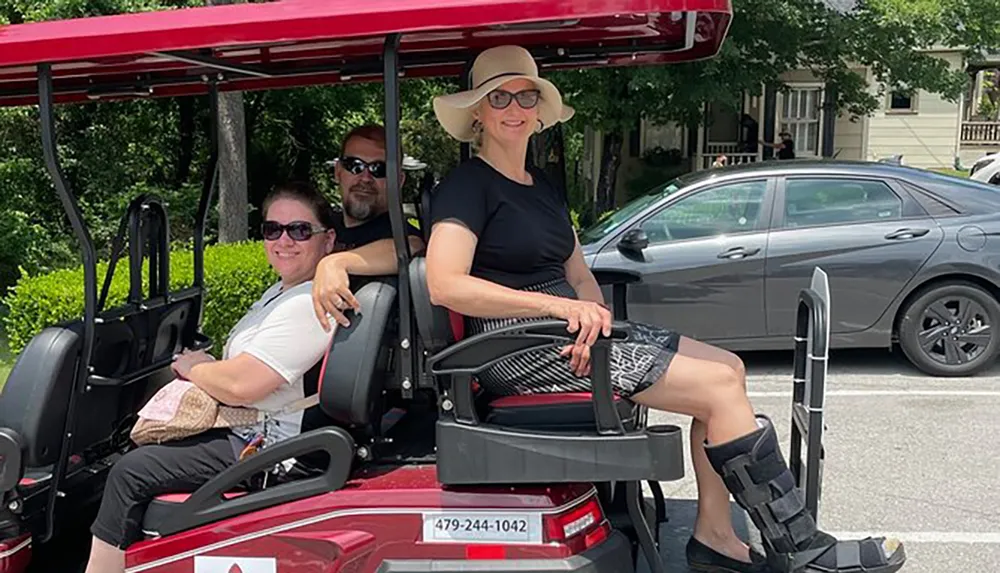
<point x="187" y="360"/>
<point x="331" y="293"/>
<point x="591" y="320"/>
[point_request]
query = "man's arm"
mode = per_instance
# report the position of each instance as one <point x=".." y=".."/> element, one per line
<point x="377" y="258"/>
<point x="331" y="285"/>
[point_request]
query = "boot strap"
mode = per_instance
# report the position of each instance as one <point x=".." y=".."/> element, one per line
<point x="782" y="519"/>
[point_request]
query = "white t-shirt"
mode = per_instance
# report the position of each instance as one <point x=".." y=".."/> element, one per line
<point x="282" y="331"/>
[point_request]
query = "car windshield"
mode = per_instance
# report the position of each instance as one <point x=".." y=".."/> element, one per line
<point x="612" y="221"/>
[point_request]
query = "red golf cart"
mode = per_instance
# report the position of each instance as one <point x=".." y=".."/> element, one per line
<point x="410" y="468"/>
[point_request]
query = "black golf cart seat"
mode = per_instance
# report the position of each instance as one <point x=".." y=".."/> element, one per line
<point x="133" y="349"/>
<point x="610" y="448"/>
<point x="351" y="379"/>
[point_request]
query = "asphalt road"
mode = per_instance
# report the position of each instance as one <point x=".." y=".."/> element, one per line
<point x="908" y="455"/>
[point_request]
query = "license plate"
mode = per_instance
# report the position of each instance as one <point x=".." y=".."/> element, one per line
<point x="484" y="527"/>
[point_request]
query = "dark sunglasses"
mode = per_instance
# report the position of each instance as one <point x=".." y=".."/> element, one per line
<point x="297" y="230"/>
<point x="356" y="166"/>
<point x="500" y="99"/>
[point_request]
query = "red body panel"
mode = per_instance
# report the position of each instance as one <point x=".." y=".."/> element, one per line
<point x="374" y="517"/>
<point x="305" y="42"/>
<point x="15" y="554"/>
<point x="527" y="400"/>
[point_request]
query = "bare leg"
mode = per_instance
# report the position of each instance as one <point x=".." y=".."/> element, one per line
<point x="707" y="389"/>
<point x="105" y="558"/>
<point x="708" y="384"/>
<point x="713" y="525"/>
<point x="713" y="392"/>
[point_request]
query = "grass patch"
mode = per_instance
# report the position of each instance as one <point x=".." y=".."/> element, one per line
<point x="953" y="172"/>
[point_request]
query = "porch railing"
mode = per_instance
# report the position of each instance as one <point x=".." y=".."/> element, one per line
<point x="985" y="133"/>
<point x="723" y="147"/>
<point x="706" y="159"/>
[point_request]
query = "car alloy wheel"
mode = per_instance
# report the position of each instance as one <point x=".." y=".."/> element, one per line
<point x="951" y="329"/>
<point x="955" y="330"/>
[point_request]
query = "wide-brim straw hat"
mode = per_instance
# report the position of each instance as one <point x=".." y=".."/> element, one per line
<point x="493" y="68"/>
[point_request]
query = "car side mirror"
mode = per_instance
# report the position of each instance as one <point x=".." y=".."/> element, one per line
<point x="634" y="241"/>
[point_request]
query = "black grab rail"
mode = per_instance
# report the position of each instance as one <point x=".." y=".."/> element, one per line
<point x="812" y="341"/>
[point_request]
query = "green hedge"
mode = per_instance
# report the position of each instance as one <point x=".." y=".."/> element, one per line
<point x="236" y="275"/>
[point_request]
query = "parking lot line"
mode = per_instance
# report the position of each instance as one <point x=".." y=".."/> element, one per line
<point x="968" y="537"/>
<point x="866" y="393"/>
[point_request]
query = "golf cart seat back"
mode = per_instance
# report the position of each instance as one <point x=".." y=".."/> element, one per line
<point x="470" y="451"/>
<point x="351" y="380"/>
<point x="132" y="352"/>
<point x="354" y="372"/>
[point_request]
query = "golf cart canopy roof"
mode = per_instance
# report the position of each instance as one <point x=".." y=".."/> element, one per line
<point x="291" y="43"/>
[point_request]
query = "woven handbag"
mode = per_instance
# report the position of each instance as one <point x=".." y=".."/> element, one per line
<point x="180" y="410"/>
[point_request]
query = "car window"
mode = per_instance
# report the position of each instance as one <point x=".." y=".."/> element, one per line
<point x="811" y="202"/>
<point x="723" y="210"/>
<point x="612" y="221"/>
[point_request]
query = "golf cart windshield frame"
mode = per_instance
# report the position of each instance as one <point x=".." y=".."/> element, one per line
<point x="293" y="43"/>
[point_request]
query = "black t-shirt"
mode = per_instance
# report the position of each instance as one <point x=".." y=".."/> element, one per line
<point x="788" y="151"/>
<point x="524" y="232"/>
<point x="368" y="232"/>
<point x="376" y="229"/>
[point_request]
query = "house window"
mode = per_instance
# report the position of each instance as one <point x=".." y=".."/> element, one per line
<point x="901" y="101"/>
<point x="800" y="116"/>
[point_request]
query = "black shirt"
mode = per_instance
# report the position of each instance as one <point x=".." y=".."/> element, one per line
<point x="370" y="231"/>
<point x="788" y="151"/>
<point x="524" y="232"/>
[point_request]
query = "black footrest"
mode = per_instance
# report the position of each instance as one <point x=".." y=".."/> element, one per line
<point x="492" y="454"/>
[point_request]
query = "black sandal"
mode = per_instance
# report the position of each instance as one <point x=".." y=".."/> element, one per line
<point x="759" y="479"/>
<point x="703" y="559"/>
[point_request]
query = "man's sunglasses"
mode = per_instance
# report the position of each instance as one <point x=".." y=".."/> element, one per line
<point x="356" y="166"/>
<point x="500" y="99"/>
<point x="297" y="230"/>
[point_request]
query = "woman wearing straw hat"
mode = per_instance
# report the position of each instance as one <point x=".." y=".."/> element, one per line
<point x="502" y="249"/>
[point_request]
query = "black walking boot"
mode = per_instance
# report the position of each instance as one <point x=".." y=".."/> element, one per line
<point x="759" y="479"/>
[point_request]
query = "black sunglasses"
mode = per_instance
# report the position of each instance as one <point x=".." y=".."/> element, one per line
<point x="297" y="230"/>
<point x="500" y="99"/>
<point x="356" y="166"/>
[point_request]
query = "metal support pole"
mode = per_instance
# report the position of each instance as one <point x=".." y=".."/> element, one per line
<point x="393" y="149"/>
<point x="465" y="148"/>
<point x="72" y="209"/>
<point x="770" y="114"/>
<point x="829" y="121"/>
<point x="208" y="186"/>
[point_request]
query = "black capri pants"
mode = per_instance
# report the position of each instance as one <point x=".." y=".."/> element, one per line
<point x="156" y="469"/>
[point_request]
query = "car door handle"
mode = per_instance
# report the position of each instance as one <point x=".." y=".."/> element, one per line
<point x="906" y="233"/>
<point x="738" y="253"/>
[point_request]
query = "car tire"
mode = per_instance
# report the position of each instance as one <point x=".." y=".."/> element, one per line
<point x="924" y="318"/>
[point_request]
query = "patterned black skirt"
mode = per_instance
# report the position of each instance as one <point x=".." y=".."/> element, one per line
<point x="635" y="363"/>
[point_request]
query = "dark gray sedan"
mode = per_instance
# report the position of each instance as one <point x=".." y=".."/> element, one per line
<point x="913" y="257"/>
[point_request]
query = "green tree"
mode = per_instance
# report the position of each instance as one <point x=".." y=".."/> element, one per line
<point x="770" y="37"/>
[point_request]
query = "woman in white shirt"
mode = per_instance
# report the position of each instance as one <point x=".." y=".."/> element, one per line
<point x="266" y="355"/>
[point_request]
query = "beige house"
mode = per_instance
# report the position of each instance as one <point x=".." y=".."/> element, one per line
<point x="925" y="129"/>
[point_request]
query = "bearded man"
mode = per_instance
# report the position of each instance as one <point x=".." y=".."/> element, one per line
<point x="364" y="245"/>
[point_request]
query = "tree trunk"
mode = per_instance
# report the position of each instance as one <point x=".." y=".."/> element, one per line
<point x="185" y="148"/>
<point x="611" y="159"/>
<point x="233" y="201"/>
